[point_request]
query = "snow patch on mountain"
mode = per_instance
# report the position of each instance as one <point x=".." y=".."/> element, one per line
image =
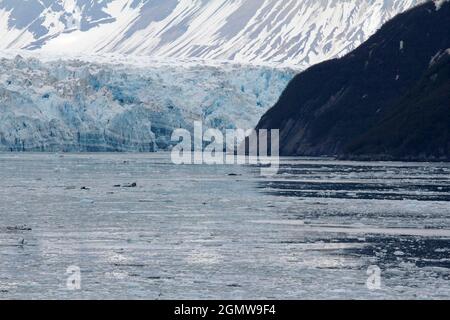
<point x="439" y="3"/>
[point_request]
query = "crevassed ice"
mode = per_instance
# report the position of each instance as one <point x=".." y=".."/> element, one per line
<point x="75" y="105"/>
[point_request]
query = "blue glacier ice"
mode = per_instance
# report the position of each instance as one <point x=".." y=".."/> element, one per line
<point x="74" y="105"/>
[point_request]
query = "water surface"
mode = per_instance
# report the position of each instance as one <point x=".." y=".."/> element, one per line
<point x="221" y="232"/>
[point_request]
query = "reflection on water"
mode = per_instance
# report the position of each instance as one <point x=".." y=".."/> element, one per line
<point x="140" y="227"/>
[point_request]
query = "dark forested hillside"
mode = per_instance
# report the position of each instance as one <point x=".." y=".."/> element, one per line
<point x="418" y="127"/>
<point x="387" y="99"/>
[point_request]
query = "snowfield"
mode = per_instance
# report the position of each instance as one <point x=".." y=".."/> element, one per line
<point x="121" y="104"/>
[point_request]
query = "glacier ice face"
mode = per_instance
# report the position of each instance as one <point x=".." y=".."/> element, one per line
<point x="75" y="105"/>
<point x="300" y="32"/>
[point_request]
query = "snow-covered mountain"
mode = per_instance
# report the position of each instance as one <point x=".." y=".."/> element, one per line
<point x="302" y="32"/>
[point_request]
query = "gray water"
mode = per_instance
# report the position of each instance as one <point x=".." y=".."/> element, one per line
<point x="222" y="232"/>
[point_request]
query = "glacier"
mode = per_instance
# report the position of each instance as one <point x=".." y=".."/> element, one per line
<point x="114" y="103"/>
